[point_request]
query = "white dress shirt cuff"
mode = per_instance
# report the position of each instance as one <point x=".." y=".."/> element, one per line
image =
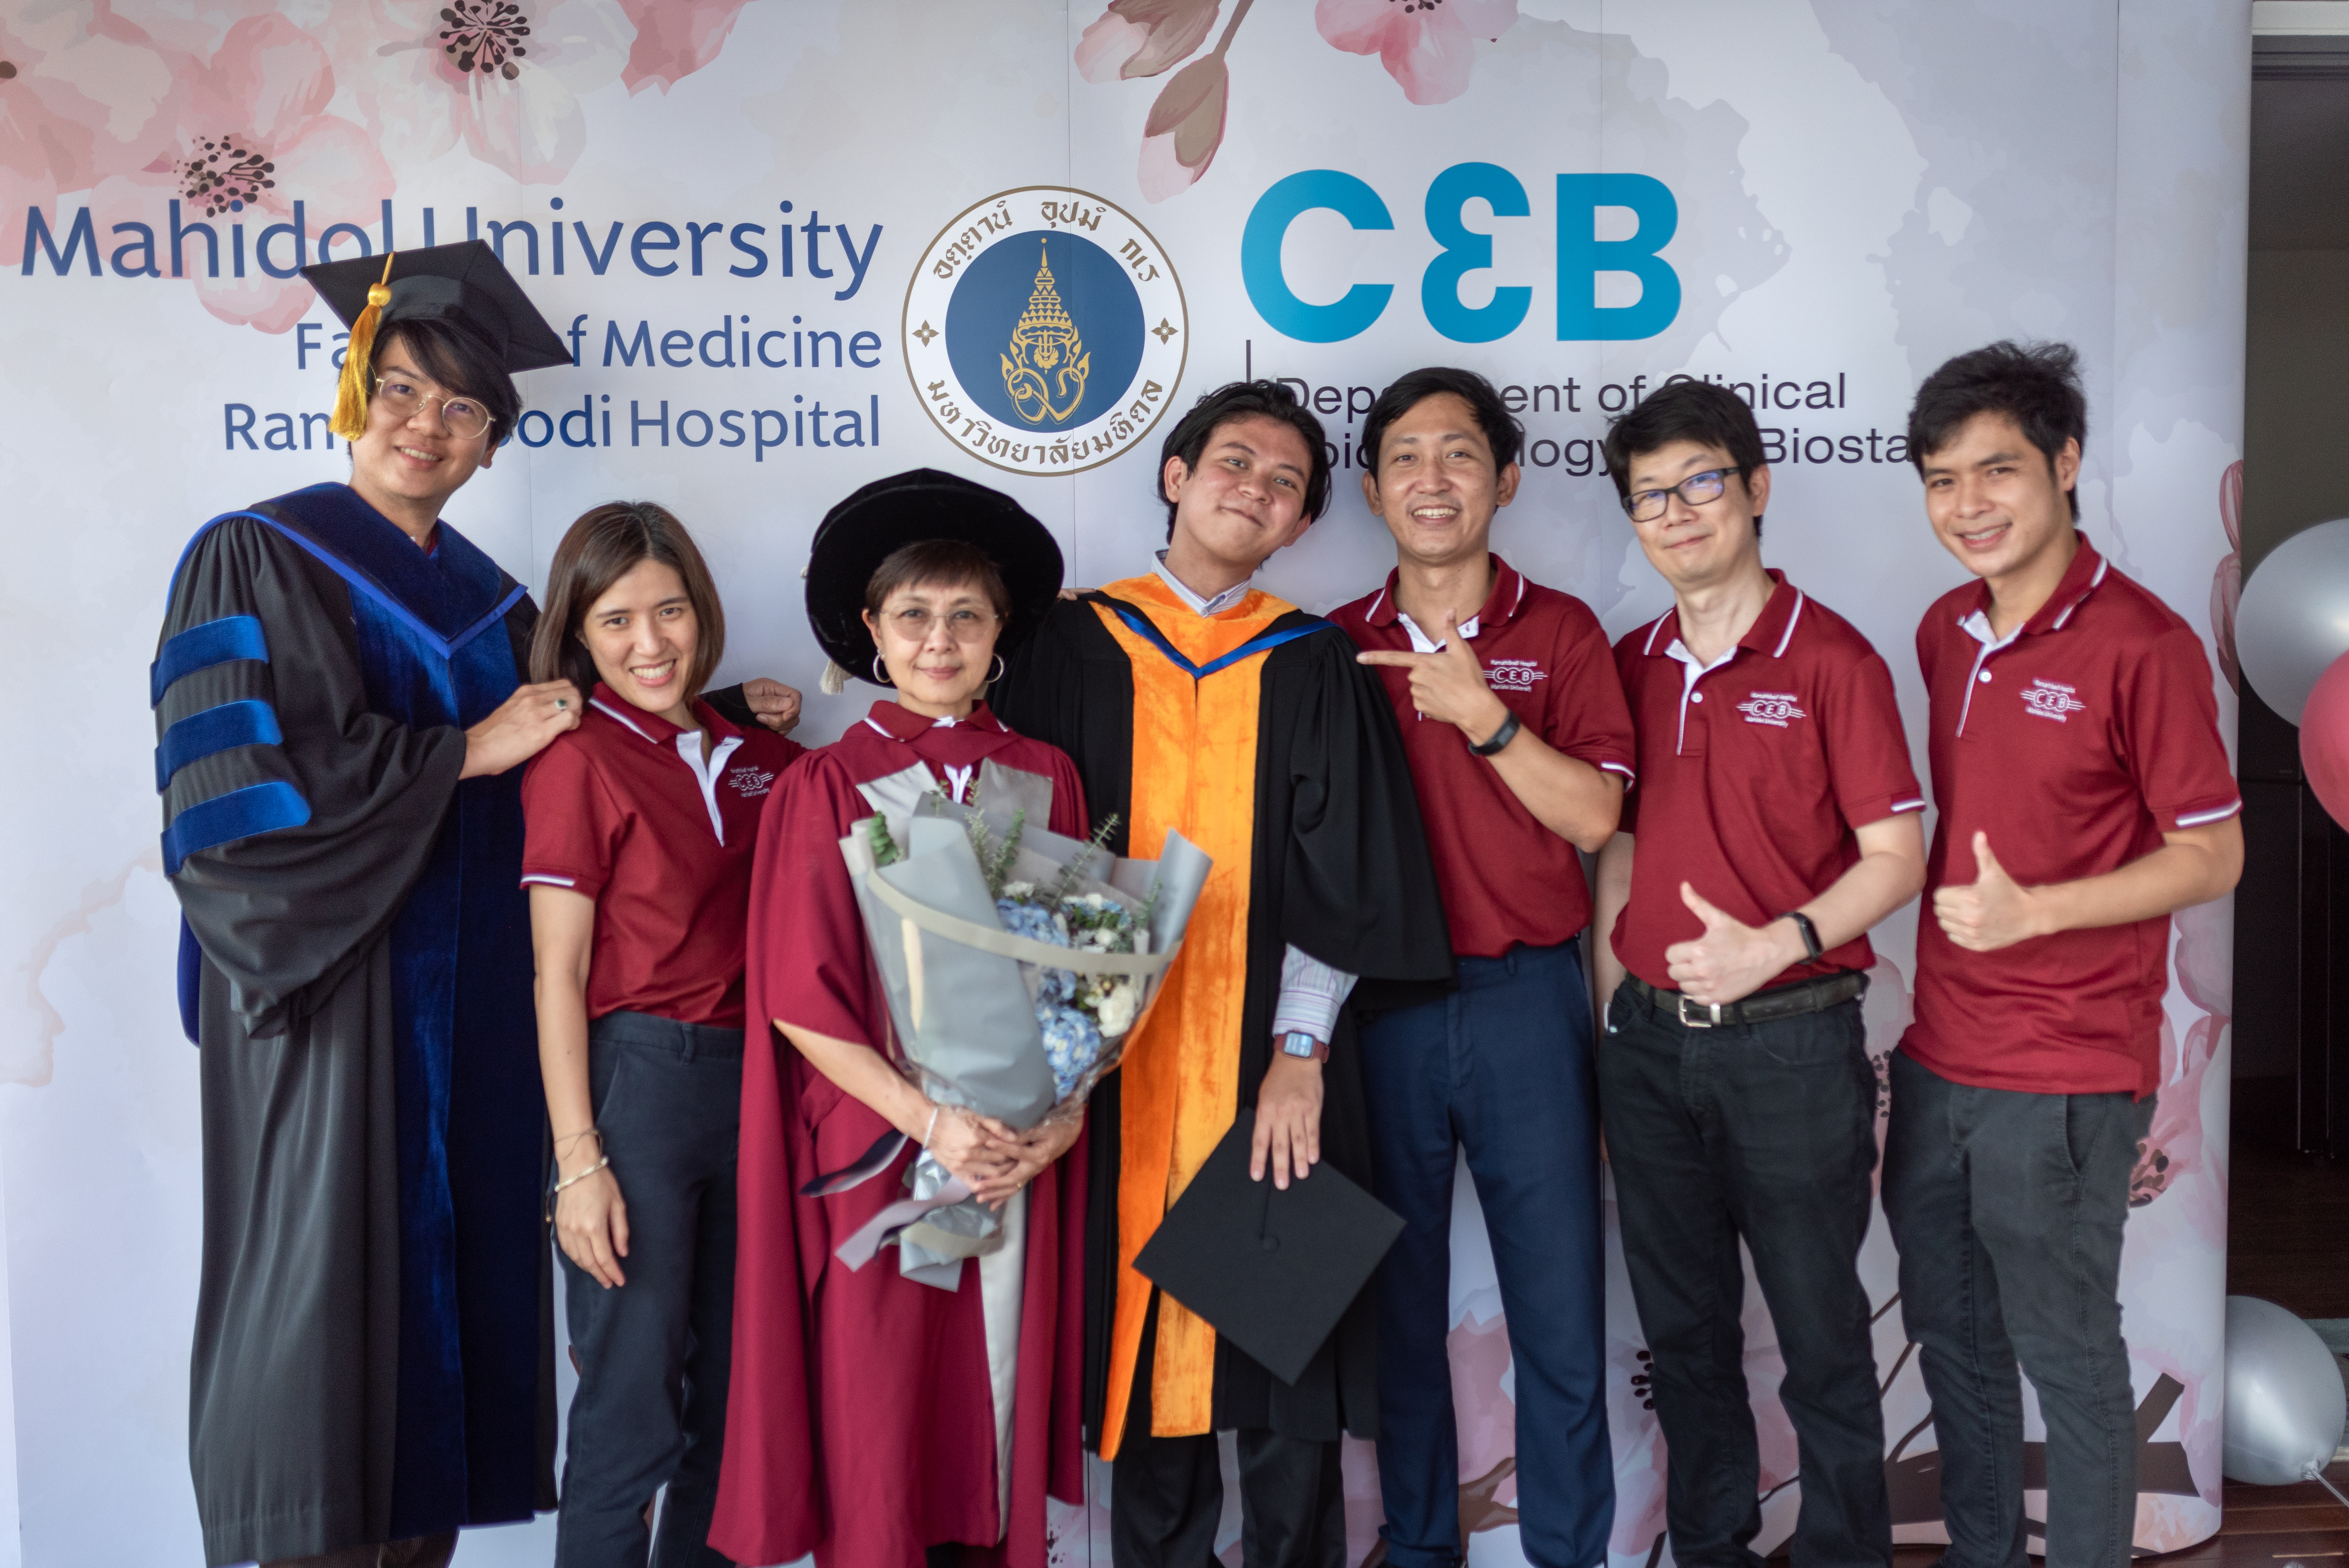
<point x="1311" y="992"/>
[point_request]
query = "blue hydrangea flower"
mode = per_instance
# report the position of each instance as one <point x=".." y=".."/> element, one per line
<point x="1053" y="987"/>
<point x="1072" y="1044"/>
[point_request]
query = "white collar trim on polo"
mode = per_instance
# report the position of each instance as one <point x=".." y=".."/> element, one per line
<point x="1692" y="672"/>
<point x="1977" y="626"/>
<point x="689" y="749"/>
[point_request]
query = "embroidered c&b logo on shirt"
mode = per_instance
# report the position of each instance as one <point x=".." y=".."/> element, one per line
<point x="750" y="781"/>
<point x="2051" y="700"/>
<point x="1771" y="707"/>
<point x="1514" y="674"/>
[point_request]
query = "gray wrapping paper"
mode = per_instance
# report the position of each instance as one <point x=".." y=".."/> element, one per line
<point x="964" y="1018"/>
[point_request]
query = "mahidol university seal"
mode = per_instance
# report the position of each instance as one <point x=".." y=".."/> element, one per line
<point x="1045" y="331"/>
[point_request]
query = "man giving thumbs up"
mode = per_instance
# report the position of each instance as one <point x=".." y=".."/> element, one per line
<point x="1774" y="823"/>
<point x="2073" y="729"/>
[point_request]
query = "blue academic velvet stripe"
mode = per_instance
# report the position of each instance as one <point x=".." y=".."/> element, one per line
<point x="201" y="647"/>
<point x="1142" y="628"/>
<point x="191" y="983"/>
<point x="251" y="722"/>
<point x="239" y="814"/>
<point x="448" y="598"/>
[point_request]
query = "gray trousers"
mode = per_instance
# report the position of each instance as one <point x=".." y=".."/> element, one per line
<point x="2008" y="1208"/>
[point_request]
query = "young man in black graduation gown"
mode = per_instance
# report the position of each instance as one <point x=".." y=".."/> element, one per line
<point x="1193" y="702"/>
<point x="340" y="715"/>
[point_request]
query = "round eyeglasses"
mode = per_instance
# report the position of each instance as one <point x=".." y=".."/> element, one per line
<point x="963" y="625"/>
<point x="1646" y="506"/>
<point x="464" y="417"/>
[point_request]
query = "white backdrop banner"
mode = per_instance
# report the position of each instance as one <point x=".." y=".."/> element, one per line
<point x="796" y="245"/>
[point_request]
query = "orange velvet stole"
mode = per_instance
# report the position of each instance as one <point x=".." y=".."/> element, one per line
<point x="1194" y="768"/>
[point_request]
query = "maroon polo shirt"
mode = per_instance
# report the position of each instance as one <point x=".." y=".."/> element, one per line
<point x="1504" y="878"/>
<point x="625" y="810"/>
<point x="2074" y="743"/>
<point x="1753" y="774"/>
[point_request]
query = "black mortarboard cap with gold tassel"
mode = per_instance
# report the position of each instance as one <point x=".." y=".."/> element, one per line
<point x="464" y="284"/>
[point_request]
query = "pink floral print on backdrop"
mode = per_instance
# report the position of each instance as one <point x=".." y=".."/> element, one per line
<point x="2227" y="581"/>
<point x="1428" y="46"/>
<point x="504" y="77"/>
<point x="84" y="99"/>
<point x="256" y="137"/>
<point x="675" y="38"/>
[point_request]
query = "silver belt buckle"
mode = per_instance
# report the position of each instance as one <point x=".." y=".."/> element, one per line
<point x="1699" y="1023"/>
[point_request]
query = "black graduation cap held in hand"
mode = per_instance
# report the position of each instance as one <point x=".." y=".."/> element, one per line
<point x="1271" y="1269"/>
<point x="463" y="283"/>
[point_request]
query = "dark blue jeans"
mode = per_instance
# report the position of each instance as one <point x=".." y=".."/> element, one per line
<point x="1501" y="1068"/>
<point x="2008" y="1209"/>
<point x="653" y="1354"/>
<point x="1765" y="1131"/>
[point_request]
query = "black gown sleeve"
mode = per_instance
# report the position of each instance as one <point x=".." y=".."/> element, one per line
<point x="732" y="706"/>
<point x="1072" y="685"/>
<point x="296" y="821"/>
<point x="1358" y="884"/>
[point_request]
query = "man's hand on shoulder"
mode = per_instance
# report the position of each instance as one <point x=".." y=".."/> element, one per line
<point x="520" y="727"/>
<point x="772" y="704"/>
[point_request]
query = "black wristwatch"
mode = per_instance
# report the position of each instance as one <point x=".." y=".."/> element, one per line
<point x="1501" y="736"/>
<point x="1810" y="933"/>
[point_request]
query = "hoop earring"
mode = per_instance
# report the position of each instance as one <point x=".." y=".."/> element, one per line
<point x="999" y="672"/>
<point x="880" y="675"/>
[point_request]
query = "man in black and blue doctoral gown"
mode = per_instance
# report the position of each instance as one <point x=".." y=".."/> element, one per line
<point x="338" y="700"/>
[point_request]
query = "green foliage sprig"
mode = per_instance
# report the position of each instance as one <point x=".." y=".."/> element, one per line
<point x="996" y="855"/>
<point x="1074" y="872"/>
<point x="885" y="851"/>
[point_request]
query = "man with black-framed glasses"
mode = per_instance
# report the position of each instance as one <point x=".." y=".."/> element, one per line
<point x="1776" y="821"/>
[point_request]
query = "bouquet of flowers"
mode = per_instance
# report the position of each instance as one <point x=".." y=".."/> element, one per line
<point x="1017" y="962"/>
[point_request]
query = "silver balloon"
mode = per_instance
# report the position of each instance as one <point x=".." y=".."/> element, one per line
<point x="2285" y="1405"/>
<point x="2292" y="621"/>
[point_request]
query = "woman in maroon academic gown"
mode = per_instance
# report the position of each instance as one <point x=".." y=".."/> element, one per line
<point x="875" y="1420"/>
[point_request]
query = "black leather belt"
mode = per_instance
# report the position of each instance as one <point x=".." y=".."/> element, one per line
<point x="1813" y="996"/>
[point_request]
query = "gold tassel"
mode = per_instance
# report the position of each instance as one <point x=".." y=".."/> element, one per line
<point x="833" y="681"/>
<point x="351" y="391"/>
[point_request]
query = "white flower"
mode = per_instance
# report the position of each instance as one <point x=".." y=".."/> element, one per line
<point x="1115" y="1014"/>
<point x="1019" y="891"/>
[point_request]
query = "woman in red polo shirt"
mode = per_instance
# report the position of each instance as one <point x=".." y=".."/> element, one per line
<point x="639" y="830"/>
<point x="880" y="1419"/>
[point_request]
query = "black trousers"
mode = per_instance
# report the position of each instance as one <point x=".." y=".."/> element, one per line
<point x="416" y="1551"/>
<point x="1768" y="1132"/>
<point x="1166" y="1494"/>
<point x="2009" y="1207"/>
<point x="655" y="1352"/>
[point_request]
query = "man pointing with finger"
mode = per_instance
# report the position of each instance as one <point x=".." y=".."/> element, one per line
<point x="1520" y="747"/>
<point x="1774" y="823"/>
<point x="2084" y="795"/>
